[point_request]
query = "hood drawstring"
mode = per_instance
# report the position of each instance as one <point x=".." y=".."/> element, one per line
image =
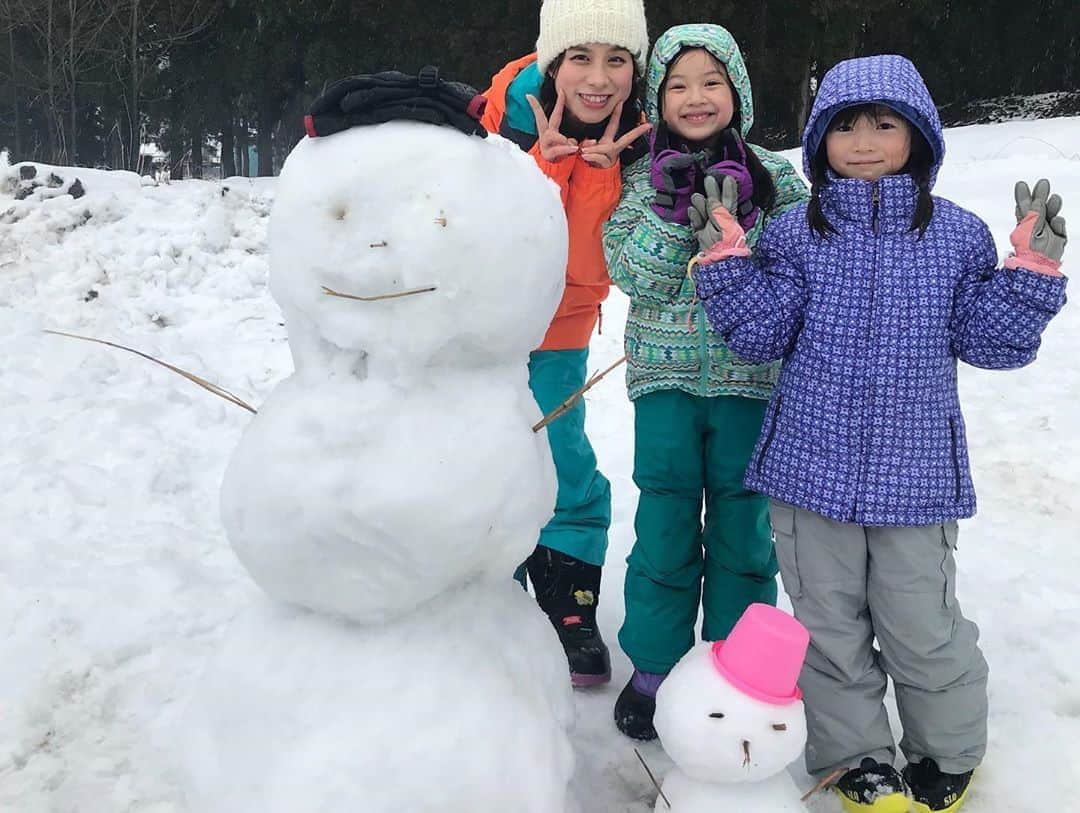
<point x="690" y="266"/>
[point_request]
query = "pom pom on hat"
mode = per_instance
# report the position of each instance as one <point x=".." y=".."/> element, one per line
<point x="566" y="23"/>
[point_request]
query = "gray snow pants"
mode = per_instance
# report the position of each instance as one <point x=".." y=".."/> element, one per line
<point x="852" y="584"/>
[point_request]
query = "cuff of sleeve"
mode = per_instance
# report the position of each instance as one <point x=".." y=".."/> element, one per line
<point x="1037" y="288"/>
<point x="713" y="277"/>
<point x="1033" y="261"/>
<point x="722" y="252"/>
<point x="558" y="171"/>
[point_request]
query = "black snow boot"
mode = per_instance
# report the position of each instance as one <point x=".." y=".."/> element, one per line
<point x="636" y="706"/>
<point x="873" y="787"/>
<point x="935" y="791"/>
<point x="567" y="589"/>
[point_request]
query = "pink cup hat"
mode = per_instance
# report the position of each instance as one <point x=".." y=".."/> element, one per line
<point x="763" y="655"/>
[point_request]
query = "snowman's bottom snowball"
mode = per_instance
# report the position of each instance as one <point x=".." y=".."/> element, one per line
<point x="463" y="707"/>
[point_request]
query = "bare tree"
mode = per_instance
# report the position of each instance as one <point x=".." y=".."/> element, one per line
<point x="8" y="26"/>
<point x="89" y="22"/>
<point x="70" y="37"/>
<point x="147" y="30"/>
<point x="35" y="18"/>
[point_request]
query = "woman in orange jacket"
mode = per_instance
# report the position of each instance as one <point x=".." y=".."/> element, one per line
<point x="574" y="107"/>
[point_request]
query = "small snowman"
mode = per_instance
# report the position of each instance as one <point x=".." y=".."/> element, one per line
<point x="731" y="718"/>
<point x="388" y="488"/>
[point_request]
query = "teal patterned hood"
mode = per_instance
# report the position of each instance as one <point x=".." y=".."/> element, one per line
<point x="717" y="41"/>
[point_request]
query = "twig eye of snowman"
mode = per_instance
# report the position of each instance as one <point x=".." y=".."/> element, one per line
<point x="717" y="715"/>
<point x="779" y="726"/>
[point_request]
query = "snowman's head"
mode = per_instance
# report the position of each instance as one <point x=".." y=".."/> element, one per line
<point x="381" y="210"/>
<point x="716" y="732"/>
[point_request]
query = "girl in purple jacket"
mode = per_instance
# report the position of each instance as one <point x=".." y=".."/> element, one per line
<point x="870" y="294"/>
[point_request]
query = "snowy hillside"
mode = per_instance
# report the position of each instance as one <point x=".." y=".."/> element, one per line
<point x="116" y="580"/>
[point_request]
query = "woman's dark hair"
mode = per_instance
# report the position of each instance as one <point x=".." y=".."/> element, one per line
<point x="919" y="165"/>
<point x="579" y="130"/>
<point x="764" y="189"/>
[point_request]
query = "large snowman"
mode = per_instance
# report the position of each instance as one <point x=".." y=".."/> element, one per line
<point x="386" y="491"/>
<point x="731" y="718"/>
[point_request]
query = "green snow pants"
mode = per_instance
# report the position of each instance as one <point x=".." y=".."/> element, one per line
<point x="690" y="449"/>
<point x="579" y="527"/>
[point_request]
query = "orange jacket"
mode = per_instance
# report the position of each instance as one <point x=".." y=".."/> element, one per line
<point x="589" y="196"/>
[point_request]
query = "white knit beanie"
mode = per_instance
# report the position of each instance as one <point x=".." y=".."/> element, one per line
<point x="565" y="23"/>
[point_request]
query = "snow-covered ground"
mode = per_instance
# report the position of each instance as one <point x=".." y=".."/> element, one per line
<point x="117" y="582"/>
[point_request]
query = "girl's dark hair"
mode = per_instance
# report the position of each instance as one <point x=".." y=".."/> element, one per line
<point x="572" y="127"/>
<point x="919" y="165"/>
<point x="764" y="189"/>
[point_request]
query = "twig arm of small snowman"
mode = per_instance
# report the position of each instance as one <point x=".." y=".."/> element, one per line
<point x="826" y="781"/>
<point x="202" y="382"/>
<point x="652" y="778"/>
<point x="568" y="404"/>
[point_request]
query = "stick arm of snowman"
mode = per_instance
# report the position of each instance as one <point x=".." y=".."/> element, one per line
<point x="209" y="386"/>
<point x="652" y="777"/>
<point x="568" y="404"/>
<point x="560" y="410"/>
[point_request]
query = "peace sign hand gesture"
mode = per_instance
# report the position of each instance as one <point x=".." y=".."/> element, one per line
<point x="712" y="214"/>
<point x="605" y="152"/>
<point x="554" y="146"/>
<point x="1048" y="229"/>
<point x="711" y="217"/>
<point x="1039" y="237"/>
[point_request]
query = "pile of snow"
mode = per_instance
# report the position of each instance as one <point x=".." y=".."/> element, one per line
<point x="117" y="583"/>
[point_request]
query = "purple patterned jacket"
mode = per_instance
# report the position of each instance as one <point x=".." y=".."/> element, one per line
<point x="865" y="423"/>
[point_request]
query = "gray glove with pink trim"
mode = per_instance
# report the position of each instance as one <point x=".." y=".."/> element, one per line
<point x="1039" y="237"/>
<point x="713" y="220"/>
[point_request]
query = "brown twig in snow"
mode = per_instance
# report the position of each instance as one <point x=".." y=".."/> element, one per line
<point x="568" y="404"/>
<point x="656" y="784"/>
<point x="441" y="221"/>
<point x="827" y="780"/>
<point x="332" y="292"/>
<point x="380" y="244"/>
<point x="202" y="382"/>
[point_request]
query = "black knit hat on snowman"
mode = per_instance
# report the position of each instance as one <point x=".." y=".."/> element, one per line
<point x="566" y="23"/>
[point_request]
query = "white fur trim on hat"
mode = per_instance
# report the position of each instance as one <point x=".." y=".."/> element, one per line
<point x="565" y="23"/>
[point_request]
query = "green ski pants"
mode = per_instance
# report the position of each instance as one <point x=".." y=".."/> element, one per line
<point x="689" y="450"/>
<point x="579" y="527"/>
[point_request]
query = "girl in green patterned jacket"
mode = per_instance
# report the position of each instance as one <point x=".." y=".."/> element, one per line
<point x="698" y="409"/>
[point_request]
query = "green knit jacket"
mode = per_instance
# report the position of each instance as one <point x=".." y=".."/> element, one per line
<point x="668" y="340"/>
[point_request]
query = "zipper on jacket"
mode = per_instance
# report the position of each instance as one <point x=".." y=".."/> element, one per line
<point x="772" y="431"/>
<point x="876" y="206"/>
<point x="704" y="354"/>
<point x="955" y="455"/>
<point x="864" y="443"/>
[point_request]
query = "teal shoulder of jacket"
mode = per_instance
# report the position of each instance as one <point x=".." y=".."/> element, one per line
<point x="519" y="114"/>
<point x="668" y="340"/>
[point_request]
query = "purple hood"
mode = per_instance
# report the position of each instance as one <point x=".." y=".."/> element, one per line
<point x="886" y="79"/>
